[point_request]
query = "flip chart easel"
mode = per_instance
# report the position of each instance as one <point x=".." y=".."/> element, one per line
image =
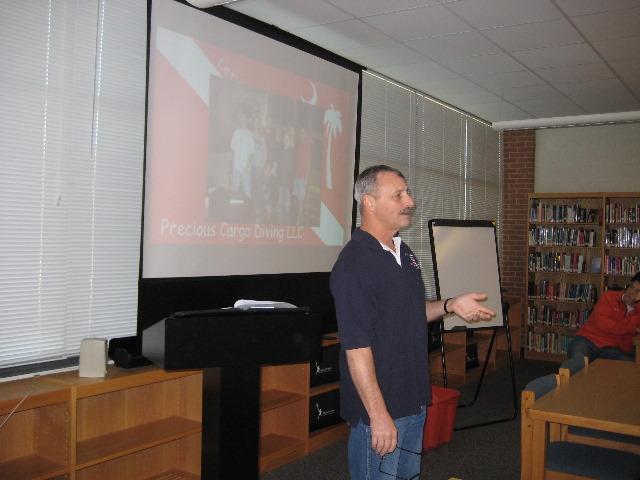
<point x="465" y="259"/>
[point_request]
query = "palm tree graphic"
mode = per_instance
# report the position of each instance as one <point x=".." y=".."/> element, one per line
<point x="333" y="122"/>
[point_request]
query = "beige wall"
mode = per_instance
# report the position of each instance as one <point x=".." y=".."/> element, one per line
<point x="604" y="158"/>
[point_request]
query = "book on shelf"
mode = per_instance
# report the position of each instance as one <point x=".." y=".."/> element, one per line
<point x="616" y="212"/>
<point x="567" y="213"/>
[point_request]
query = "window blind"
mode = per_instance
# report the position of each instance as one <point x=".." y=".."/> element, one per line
<point x="451" y="160"/>
<point x="71" y="152"/>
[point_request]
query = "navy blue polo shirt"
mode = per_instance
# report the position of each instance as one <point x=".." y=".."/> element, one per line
<point x="380" y="304"/>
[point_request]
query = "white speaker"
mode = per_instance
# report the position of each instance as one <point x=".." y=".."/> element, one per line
<point x="93" y="357"/>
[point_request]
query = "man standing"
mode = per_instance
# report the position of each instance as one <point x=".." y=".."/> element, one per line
<point x="382" y="324"/>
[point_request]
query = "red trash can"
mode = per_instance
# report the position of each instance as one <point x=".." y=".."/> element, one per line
<point x="441" y="417"/>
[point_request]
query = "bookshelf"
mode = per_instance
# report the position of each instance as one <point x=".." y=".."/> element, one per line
<point x="35" y="439"/>
<point x="579" y="244"/>
<point x="285" y="409"/>
<point x="144" y="423"/>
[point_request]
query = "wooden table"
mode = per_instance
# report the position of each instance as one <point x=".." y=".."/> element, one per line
<point x="603" y="396"/>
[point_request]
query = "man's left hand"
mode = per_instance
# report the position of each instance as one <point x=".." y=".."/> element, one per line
<point x="468" y="308"/>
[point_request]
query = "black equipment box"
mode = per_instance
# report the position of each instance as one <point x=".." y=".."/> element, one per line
<point x="324" y="410"/>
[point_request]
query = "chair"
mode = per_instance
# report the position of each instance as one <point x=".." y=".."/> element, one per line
<point x="590" y="436"/>
<point x="568" y="460"/>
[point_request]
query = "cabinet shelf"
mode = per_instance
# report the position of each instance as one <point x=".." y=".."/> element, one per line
<point x="34" y="467"/>
<point x="330" y="339"/>
<point x="276" y="450"/>
<point x="561" y="301"/>
<point x="583" y="224"/>
<point x="113" y="445"/>
<point x="547" y="272"/>
<point x="553" y="328"/>
<point x="175" y="475"/>
<point x="326" y="435"/>
<point x="42" y="394"/>
<point x="556" y="247"/>
<point x="549" y="357"/>
<point x="272" y="399"/>
<point x="34" y="441"/>
<point x="327" y="387"/>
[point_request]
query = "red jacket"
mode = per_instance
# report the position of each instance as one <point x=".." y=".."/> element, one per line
<point x="610" y="325"/>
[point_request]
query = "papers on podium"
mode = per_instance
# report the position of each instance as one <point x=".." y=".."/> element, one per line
<point x="252" y="304"/>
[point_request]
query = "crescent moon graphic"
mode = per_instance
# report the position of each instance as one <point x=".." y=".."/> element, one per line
<point x="314" y="96"/>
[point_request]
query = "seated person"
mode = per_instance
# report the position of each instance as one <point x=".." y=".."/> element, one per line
<point x="610" y="329"/>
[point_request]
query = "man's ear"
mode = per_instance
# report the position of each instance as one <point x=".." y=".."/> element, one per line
<point x="368" y="202"/>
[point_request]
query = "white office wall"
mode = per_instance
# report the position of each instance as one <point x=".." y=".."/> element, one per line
<point x="603" y="158"/>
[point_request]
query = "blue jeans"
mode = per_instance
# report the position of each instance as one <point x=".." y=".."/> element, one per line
<point x="403" y="463"/>
<point x="580" y="347"/>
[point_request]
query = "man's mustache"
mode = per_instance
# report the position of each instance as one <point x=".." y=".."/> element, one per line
<point x="407" y="211"/>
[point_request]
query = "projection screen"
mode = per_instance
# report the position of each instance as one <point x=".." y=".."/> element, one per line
<point x="250" y="151"/>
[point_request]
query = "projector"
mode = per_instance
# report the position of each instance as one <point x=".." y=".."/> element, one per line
<point x="209" y="3"/>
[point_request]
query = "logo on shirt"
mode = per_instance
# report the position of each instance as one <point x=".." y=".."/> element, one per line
<point x="413" y="261"/>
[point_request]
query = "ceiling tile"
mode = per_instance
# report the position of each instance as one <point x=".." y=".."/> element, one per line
<point x="360" y="8"/>
<point x="418" y="23"/>
<point x="611" y="103"/>
<point x="534" y="35"/>
<point x="420" y="72"/>
<point x="619" y="49"/>
<point x="603" y="88"/>
<point x="496" y="82"/>
<point x="493" y="13"/>
<point x="629" y="69"/>
<point x="585" y="7"/>
<point x="526" y="93"/>
<point x="460" y="99"/>
<point x="483" y="65"/>
<point x="457" y="85"/>
<point x="454" y="45"/>
<point x="634" y="85"/>
<point x="289" y="14"/>
<point x="497" y="111"/>
<point x="558" y="56"/>
<point x="609" y="25"/>
<point x="550" y="107"/>
<point x="483" y="72"/>
<point x="576" y="73"/>
<point x="342" y="35"/>
<point x="383" y="55"/>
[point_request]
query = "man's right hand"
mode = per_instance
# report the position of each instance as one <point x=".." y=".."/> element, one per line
<point x="384" y="434"/>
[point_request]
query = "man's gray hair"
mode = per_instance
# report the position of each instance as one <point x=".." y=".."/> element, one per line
<point x="366" y="183"/>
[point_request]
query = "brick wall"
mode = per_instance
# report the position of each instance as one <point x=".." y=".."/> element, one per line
<point x="518" y="150"/>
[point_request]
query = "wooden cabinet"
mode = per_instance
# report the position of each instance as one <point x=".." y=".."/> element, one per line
<point x="324" y="436"/>
<point x="34" y="441"/>
<point x="284" y="414"/>
<point x="580" y="244"/>
<point x="458" y="346"/>
<point x="140" y="424"/>
<point x="143" y="423"/>
<point x="284" y="425"/>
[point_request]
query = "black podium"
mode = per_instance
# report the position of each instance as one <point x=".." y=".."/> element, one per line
<point x="230" y="346"/>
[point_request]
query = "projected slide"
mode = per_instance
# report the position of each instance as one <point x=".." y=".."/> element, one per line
<point x="250" y="151"/>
